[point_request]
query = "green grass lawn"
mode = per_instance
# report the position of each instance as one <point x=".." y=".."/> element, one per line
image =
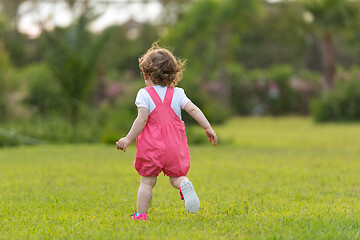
<point x="284" y="178"/>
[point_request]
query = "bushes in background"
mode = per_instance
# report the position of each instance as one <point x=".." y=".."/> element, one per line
<point x="341" y="104"/>
<point x="278" y="90"/>
<point x="43" y="92"/>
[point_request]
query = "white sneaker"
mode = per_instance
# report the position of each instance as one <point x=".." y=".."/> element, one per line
<point x="192" y="202"/>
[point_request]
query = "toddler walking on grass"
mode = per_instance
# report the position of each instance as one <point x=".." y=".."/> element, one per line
<point x="159" y="131"/>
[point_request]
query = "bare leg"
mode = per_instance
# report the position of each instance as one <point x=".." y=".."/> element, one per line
<point x="145" y="194"/>
<point x="175" y="181"/>
<point x="192" y="202"/>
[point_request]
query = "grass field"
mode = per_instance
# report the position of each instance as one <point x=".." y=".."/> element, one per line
<point x="285" y="178"/>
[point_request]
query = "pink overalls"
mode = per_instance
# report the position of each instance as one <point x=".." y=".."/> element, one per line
<point x="162" y="144"/>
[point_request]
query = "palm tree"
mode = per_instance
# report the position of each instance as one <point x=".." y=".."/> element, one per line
<point x="329" y="18"/>
<point x="73" y="54"/>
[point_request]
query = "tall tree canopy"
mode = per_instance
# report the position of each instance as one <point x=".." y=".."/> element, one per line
<point x="331" y="17"/>
<point x="73" y="54"/>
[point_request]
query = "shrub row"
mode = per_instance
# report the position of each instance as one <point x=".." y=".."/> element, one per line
<point x="343" y="102"/>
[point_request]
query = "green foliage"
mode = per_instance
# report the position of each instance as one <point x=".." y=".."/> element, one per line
<point x="330" y="18"/>
<point x="8" y="84"/>
<point x="288" y="100"/>
<point x="3" y="24"/>
<point x="10" y="138"/>
<point x="277" y="35"/>
<point x="43" y="90"/>
<point x="7" y="140"/>
<point x="253" y="36"/>
<point x="105" y="123"/>
<point x="54" y="128"/>
<point x="196" y="136"/>
<point x="73" y="54"/>
<point x="277" y="90"/>
<point x="3" y="83"/>
<point x="235" y="49"/>
<point x="242" y="90"/>
<point x="18" y="47"/>
<point x="117" y="122"/>
<point x="224" y="22"/>
<point x="341" y="104"/>
<point x="206" y="79"/>
<point x="204" y="18"/>
<point x="215" y="111"/>
<point x="332" y="15"/>
<point x="121" y="52"/>
<point x="281" y="179"/>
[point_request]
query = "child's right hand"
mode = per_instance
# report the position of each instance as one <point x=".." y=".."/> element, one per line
<point x="122" y="143"/>
<point x="211" y="136"/>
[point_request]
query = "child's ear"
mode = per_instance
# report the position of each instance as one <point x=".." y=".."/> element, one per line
<point x="146" y="76"/>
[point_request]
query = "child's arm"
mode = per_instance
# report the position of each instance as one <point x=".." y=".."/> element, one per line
<point x="137" y="127"/>
<point x="198" y="115"/>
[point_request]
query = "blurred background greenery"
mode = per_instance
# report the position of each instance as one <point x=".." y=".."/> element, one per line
<point x="74" y="83"/>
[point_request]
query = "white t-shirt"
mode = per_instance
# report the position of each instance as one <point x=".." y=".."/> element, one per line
<point x="179" y="100"/>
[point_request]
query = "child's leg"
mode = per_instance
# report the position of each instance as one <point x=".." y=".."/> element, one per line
<point x="175" y="181"/>
<point x="192" y="203"/>
<point x="145" y="194"/>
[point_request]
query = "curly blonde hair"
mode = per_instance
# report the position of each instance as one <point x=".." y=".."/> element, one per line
<point x="161" y="66"/>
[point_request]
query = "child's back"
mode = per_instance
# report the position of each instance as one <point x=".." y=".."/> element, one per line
<point x="143" y="99"/>
<point x="162" y="144"/>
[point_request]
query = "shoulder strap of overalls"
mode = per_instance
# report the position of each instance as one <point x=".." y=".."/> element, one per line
<point x="153" y="94"/>
<point x="169" y="95"/>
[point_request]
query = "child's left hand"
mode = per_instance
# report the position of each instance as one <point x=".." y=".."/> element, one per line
<point x="122" y="143"/>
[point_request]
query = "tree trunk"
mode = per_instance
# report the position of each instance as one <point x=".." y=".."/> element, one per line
<point x="328" y="59"/>
<point x="74" y="114"/>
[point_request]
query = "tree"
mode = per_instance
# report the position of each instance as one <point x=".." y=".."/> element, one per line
<point x="73" y="54"/>
<point x="329" y="18"/>
<point x="5" y="71"/>
<point x="276" y="36"/>
<point x="126" y="47"/>
<point x="16" y="43"/>
<point x="209" y="35"/>
<point x="10" y="9"/>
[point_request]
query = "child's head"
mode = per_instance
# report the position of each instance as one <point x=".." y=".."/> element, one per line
<point x="161" y="66"/>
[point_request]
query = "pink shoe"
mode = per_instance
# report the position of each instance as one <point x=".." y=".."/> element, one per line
<point x="139" y="216"/>
<point x="181" y="195"/>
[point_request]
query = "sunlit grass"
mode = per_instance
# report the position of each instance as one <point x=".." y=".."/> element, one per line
<point x="285" y="178"/>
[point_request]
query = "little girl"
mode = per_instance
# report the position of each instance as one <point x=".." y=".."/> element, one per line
<point x="159" y="131"/>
